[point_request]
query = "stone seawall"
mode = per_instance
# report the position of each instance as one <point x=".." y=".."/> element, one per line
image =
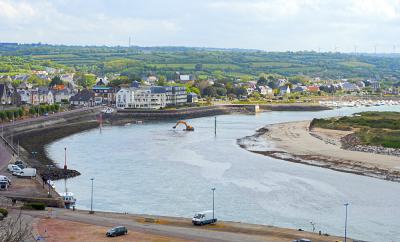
<point x="186" y="113"/>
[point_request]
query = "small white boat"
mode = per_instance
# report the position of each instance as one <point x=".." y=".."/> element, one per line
<point x="68" y="198"/>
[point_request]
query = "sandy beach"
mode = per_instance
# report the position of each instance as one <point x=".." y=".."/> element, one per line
<point x="319" y="147"/>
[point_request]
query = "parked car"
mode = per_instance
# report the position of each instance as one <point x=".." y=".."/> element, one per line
<point x="116" y="231"/>
<point x="301" y="240"/>
<point x="206" y="217"/>
<point x="6" y="179"/>
<point x="13" y="169"/>
<point x="22" y="166"/>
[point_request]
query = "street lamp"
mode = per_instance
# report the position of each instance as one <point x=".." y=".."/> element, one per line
<point x="91" y="199"/>
<point x="345" y="223"/>
<point x="213" y="191"/>
<point x="65" y="158"/>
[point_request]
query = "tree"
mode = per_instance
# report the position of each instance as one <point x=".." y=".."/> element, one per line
<point x="14" y="229"/>
<point x="198" y="67"/>
<point x="262" y="81"/>
<point x="210" y="91"/>
<point x="84" y="80"/>
<point x="272" y="84"/>
<point x="240" y="91"/>
<point x="161" y="81"/>
<point x="120" y="80"/>
<point x="55" y="81"/>
<point x="221" y="91"/>
<point x="256" y="95"/>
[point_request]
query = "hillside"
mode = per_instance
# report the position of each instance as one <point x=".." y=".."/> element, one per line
<point x="218" y="63"/>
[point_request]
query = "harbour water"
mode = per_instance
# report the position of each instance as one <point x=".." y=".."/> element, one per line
<point x="152" y="169"/>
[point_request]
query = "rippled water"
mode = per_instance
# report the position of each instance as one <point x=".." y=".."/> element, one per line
<point x="151" y="169"/>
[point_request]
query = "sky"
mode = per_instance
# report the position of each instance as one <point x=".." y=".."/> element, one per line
<point x="271" y="25"/>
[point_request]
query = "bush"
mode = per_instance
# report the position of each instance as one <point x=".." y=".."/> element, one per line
<point x="4" y="212"/>
<point x="9" y="114"/>
<point x="34" y="206"/>
<point x="3" y="115"/>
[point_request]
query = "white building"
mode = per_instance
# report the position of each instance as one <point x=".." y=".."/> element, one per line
<point x="265" y="90"/>
<point x="285" y="90"/>
<point x="140" y="99"/>
<point x="25" y="96"/>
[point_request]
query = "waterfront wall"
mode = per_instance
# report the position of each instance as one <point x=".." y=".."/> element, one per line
<point x="185" y="113"/>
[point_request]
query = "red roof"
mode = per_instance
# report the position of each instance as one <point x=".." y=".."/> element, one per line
<point x="313" y="88"/>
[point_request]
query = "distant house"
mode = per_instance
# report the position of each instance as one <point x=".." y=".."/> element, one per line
<point x="83" y="98"/>
<point x="249" y="90"/>
<point x="375" y="85"/>
<point x="192" y="98"/>
<point x="21" y="78"/>
<point x="68" y="78"/>
<point x="25" y="96"/>
<point x="313" y="88"/>
<point x="299" y="89"/>
<point x="3" y="94"/>
<point x="62" y="95"/>
<point x="360" y="84"/>
<point x="45" y="95"/>
<point x="265" y="90"/>
<point x="285" y="90"/>
<point x="185" y="78"/>
<point x="351" y="87"/>
<point x="25" y="85"/>
<point x="151" y="80"/>
<point x="103" y="95"/>
<point x="281" y="82"/>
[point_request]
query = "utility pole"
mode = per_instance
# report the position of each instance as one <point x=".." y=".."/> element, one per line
<point x="215" y="125"/>
<point x="91" y="199"/>
<point x="213" y="190"/>
<point x="345" y="223"/>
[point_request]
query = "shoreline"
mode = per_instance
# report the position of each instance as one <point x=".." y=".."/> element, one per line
<point x="293" y="142"/>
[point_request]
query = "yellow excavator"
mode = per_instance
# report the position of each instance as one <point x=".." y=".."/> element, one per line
<point x="188" y="127"/>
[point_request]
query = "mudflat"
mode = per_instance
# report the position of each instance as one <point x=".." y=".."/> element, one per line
<point x="320" y="147"/>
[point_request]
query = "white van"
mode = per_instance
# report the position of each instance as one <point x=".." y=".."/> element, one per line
<point x="205" y="217"/>
<point x="27" y="172"/>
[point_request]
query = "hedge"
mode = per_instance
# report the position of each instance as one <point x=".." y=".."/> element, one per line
<point x="4" y="212"/>
<point x="34" y="206"/>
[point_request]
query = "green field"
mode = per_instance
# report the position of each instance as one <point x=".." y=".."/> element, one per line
<point x="373" y="128"/>
<point x="140" y="61"/>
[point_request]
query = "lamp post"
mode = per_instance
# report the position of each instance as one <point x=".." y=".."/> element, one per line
<point x="213" y="191"/>
<point x="34" y="153"/>
<point x="345" y="223"/>
<point x="91" y="199"/>
<point x="65" y="158"/>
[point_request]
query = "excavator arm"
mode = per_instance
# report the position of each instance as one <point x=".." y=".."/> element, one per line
<point x="188" y="127"/>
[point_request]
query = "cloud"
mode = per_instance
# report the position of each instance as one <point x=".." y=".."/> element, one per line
<point x="262" y="24"/>
<point x="46" y="22"/>
<point x="13" y="10"/>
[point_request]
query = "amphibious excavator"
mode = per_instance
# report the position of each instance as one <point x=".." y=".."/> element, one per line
<point x="188" y="127"/>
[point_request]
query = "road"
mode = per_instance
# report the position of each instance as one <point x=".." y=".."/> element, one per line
<point x="170" y="229"/>
<point x="60" y="114"/>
